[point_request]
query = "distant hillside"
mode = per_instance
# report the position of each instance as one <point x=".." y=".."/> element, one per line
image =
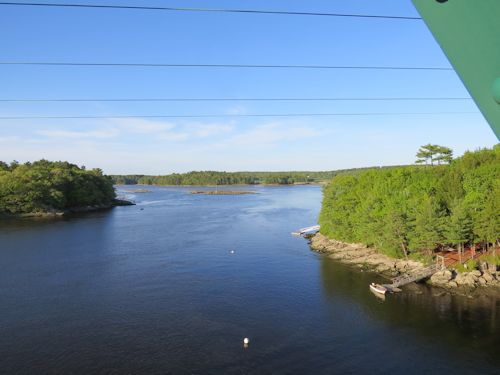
<point x="236" y="178"/>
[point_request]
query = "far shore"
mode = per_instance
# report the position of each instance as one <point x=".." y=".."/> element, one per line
<point x="319" y="183"/>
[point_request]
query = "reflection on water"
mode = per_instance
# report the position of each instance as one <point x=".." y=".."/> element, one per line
<point x="459" y="321"/>
<point x="155" y="289"/>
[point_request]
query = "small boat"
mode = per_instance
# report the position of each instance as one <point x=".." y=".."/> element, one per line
<point x="378" y="288"/>
<point x="378" y="295"/>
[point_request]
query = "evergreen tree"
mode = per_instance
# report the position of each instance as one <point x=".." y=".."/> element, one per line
<point x="458" y="227"/>
<point x="487" y="223"/>
<point x="434" y="153"/>
<point x="424" y="154"/>
<point x="443" y="154"/>
<point x="413" y="209"/>
<point x="427" y="227"/>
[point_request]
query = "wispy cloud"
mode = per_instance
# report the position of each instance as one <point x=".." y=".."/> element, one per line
<point x="173" y="136"/>
<point x="9" y="139"/>
<point x="169" y="131"/>
<point x="143" y="126"/>
<point x="237" y="110"/>
<point x="105" y="133"/>
<point x="208" y="130"/>
<point x="272" y="133"/>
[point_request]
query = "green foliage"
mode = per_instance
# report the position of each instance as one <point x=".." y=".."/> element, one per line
<point x="461" y="268"/>
<point x="459" y="228"/>
<point x="43" y="186"/>
<point x="434" y="153"/>
<point x="469" y="266"/>
<point x="131" y="179"/>
<point x="413" y="210"/>
<point x="427" y="229"/>
<point x="492" y="259"/>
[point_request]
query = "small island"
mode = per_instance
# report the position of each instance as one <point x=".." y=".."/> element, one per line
<point x="53" y="189"/>
<point x="138" y="191"/>
<point x="222" y="192"/>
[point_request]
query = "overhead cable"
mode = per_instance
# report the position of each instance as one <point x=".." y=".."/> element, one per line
<point x="207" y="10"/>
<point x="251" y="66"/>
<point x="230" y="99"/>
<point x="230" y="115"/>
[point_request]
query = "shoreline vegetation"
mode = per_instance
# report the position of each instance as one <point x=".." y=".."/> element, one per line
<point x="53" y="189"/>
<point x="51" y="213"/>
<point x="410" y="214"/>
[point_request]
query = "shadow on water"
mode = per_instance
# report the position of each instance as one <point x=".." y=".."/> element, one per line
<point x="469" y="324"/>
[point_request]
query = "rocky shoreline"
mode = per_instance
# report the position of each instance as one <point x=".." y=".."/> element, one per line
<point x="367" y="258"/>
<point x="486" y="275"/>
<point x="73" y="210"/>
<point x="138" y="191"/>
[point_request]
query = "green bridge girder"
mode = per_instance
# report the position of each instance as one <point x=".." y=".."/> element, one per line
<point x="468" y="31"/>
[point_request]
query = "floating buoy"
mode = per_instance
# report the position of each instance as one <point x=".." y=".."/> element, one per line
<point x="246" y="341"/>
<point x="231" y="252"/>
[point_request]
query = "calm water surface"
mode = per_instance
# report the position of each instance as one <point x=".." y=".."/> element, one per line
<point x="154" y="289"/>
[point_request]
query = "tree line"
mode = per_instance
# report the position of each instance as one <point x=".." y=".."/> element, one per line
<point x="416" y="209"/>
<point x="44" y="186"/>
<point x="233" y="178"/>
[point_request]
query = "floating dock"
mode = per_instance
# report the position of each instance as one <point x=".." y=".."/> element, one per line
<point x="307" y="231"/>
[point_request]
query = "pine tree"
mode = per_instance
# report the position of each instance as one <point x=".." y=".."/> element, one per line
<point x="428" y="225"/>
<point x="458" y="228"/>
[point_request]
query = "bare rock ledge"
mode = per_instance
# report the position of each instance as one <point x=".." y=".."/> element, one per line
<point x="365" y="257"/>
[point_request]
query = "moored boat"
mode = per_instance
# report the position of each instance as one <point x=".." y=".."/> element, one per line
<point x="378" y="288"/>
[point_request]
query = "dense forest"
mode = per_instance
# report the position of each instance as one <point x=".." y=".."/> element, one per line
<point x="413" y="210"/>
<point x="234" y="178"/>
<point x="44" y="186"/>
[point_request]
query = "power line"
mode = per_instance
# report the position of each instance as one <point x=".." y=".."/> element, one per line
<point x="235" y="99"/>
<point x="231" y="115"/>
<point x="210" y="10"/>
<point x="252" y="66"/>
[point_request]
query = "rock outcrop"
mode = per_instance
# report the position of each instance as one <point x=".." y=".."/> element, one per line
<point x="470" y="280"/>
<point x="365" y="257"/>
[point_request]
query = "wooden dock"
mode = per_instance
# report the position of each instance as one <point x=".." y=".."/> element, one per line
<point x="412" y="277"/>
<point x="444" y="260"/>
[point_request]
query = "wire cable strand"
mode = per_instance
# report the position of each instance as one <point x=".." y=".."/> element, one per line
<point x="21" y="100"/>
<point x="231" y="115"/>
<point x="251" y="66"/>
<point x="209" y="10"/>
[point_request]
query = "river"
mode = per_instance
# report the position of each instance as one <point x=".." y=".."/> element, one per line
<point x="173" y="285"/>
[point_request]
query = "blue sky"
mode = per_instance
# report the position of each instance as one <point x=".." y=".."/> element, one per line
<point x="158" y="146"/>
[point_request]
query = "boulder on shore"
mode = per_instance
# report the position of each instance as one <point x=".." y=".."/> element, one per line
<point x="441" y="277"/>
<point x="369" y="257"/>
<point x="466" y="279"/>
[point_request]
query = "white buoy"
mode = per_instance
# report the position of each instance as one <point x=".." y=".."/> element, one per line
<point x="231" y="252"/>
<point x="246" y="341"/>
